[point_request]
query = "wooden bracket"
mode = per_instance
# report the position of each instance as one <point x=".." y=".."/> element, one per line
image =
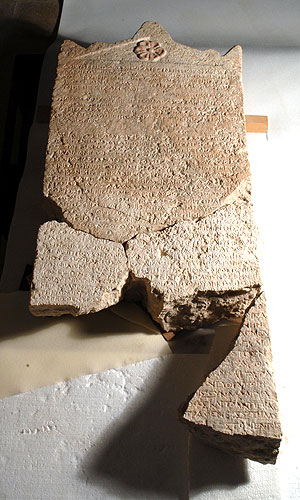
<point x="257" y="123"/>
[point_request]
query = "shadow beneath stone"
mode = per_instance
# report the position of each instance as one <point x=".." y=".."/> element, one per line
<point x="29" y="211"/>
<point x="145" y="453"/>
<point x="213" y="469"/>
<point x="193" y="341"/>
<point x="102" y="324"/>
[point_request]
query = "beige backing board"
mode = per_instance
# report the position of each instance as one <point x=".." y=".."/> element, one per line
<point x="37" y="352"/>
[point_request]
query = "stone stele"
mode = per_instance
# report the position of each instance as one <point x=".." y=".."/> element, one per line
<point x="144" y="133"/>
<point x="236" y="408"/>
<point x="147" y="147"/>
<point x="148" y="177"/>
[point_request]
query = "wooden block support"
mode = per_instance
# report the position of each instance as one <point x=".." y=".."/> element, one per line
<point x="257" y="123"/>
<point x="168" y="335"/>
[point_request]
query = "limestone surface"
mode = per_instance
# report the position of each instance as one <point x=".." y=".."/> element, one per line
<point x="144" y="133"/>
<point x="147" y="146"/>
<point x="75" y="273"/>
<point x="196" y="273"/>
<point x="236" y="408"/>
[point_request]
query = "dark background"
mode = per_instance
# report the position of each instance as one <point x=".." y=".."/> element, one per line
<point x="27" y="28"/>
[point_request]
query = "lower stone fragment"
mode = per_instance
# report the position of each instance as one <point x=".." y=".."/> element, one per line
<point x="75" y="273"/>
<point x="189" y="275"/>
<point x="236" y="408"/>
<point x="196" y="273"/>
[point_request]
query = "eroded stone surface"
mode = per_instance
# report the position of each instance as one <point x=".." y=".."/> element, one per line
<point x="197" y="272"/>
<point x="236" y="408"/>
<point x="136" y="146"/>
<point x="75" y="273"/>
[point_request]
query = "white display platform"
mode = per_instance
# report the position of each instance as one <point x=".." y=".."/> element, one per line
<point x="115" y="435"/>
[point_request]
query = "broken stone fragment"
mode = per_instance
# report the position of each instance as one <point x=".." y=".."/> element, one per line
<point x="75" y="273"/>
<point x="236" y="408"/>
<point x="196" y="273"/>
<point x="144" y="133"/>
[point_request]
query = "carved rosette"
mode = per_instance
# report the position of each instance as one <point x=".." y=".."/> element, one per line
<point x="148" y="50"/>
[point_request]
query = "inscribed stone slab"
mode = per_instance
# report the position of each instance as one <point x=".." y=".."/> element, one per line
<point x="143" y="133"/>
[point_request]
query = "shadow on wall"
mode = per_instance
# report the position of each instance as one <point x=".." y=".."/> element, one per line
<point x="28" y="214"/>
<point x="147" y="453"/>
<point x="26" y="30"/>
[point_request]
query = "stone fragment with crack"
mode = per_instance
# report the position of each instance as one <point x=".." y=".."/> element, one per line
<point x="75" y="273"/>
<point x="236" y="408"/>
<point x="196" y="273"/>
<point x="138" y="144"/>
<point x="151" y="152"/>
